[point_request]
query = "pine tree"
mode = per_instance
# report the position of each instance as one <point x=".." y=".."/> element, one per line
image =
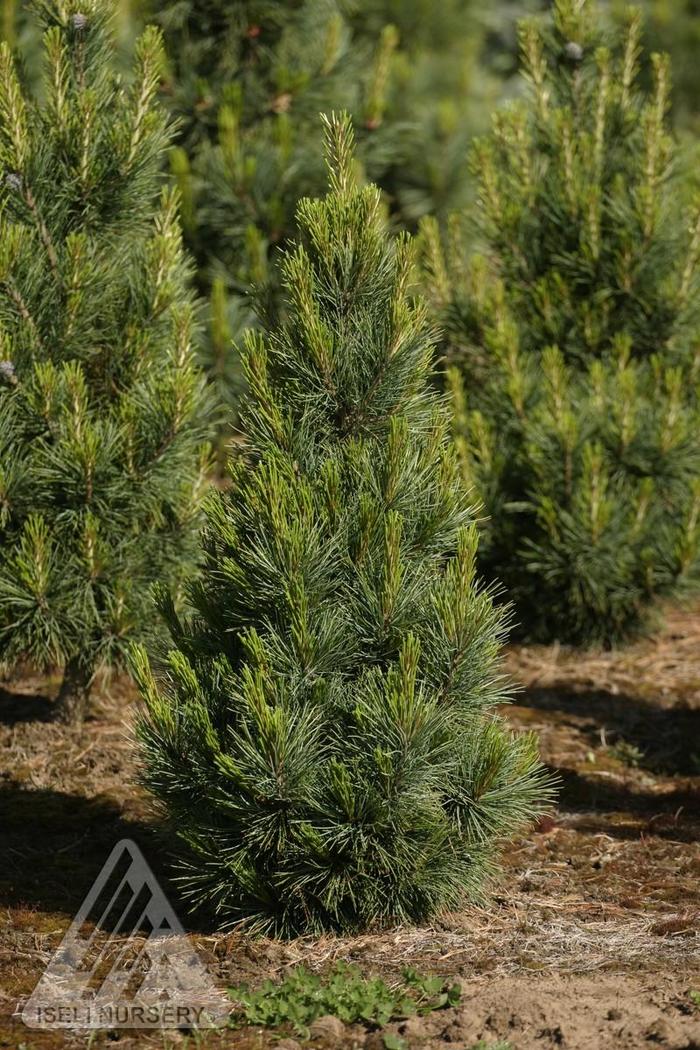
<point x="101" y="448"/>
<point x="578" y="209"/>
<point x="575" y="340"/>
<point x="322" y="733"/>
<point x="590" y="484"/>
<point x="247" y="82"/>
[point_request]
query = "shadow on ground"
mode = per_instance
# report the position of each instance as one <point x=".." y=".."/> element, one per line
<point x="673" y="815"/>
<point x="668" y="738"/>
<point x="19" y="707"/>
<point x="54" y="844"/>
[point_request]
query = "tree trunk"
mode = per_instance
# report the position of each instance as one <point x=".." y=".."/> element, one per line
<point x="72" y="702"/>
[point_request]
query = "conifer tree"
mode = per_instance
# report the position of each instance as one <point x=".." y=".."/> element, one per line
<point x="575" y="339"/>
<point x="247" y="82"/>
<point x="101" y="447"/>
<point x="323" y="732"/>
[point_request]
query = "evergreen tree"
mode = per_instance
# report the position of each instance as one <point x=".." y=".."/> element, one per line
<point x="247" y="82"/>
<point x="575" y="340"/>
<point x="101" y="455"/>
<point x="578" y="209"/>
<point x="590" y="488"/>
<point x="323" y="734"/>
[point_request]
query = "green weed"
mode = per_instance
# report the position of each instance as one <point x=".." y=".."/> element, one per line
<point x="628" y="754"/>
<point x="302" y="997"/>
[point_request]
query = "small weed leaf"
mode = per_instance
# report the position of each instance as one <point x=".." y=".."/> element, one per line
<point x="302" y="997"/>
<point x="628" y="754"/>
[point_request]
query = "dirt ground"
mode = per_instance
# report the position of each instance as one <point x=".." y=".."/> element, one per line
<point x="591" y="939"/>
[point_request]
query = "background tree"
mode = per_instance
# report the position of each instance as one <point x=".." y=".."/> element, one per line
<point x="590" y="486"/>
<point x="578" y="209"/>
<point x="101" y="407"/>
<point x="575" y="339"/>
<point x="323" y="735"/>
<point x="21" y="29"/>
<point x="672" y="26"/>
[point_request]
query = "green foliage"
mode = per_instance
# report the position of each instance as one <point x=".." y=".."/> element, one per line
<point x="574" y="341"/>
<point x="627" y="753"/>
<point x="257" y="57"/>
<point x="101" y="456"/>
<point x="673" y="26"/>
<point x="447" y="72"/>
<point x="590" y="483"/>
<point x="578" y="207"/>
<point x="247" y="82"/>
<point x="22" y="30"/>
<point x="302" y="997"/>
<point x="323" y="733"/>
<point x="19" y="31"/>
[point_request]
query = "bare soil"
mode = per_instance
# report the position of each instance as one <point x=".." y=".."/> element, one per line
<point x="591" y="938"/>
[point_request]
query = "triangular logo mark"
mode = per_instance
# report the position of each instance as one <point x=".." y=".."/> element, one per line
<point x="125" y="961"/>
